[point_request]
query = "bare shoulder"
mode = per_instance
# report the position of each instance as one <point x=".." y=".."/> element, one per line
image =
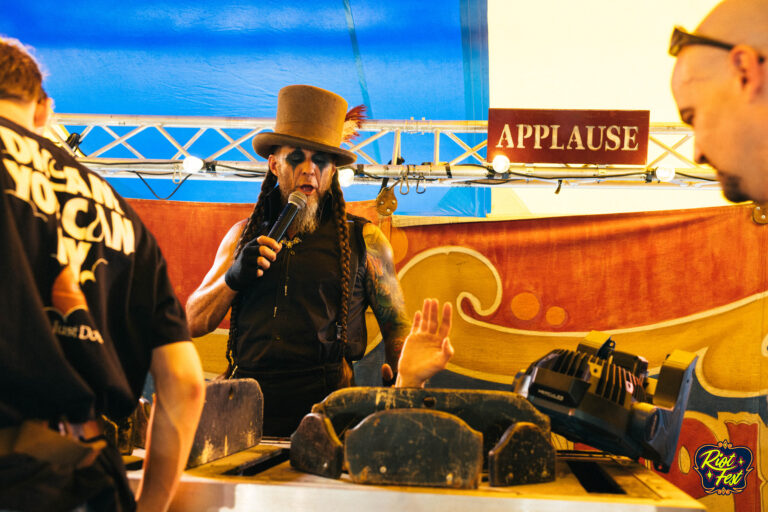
<point x="225" y="253"/>
<point x="235" y="231"/>
<point x="384" y="293"/>
<point x="376" y="242"/>
<point x="229" y="242"/>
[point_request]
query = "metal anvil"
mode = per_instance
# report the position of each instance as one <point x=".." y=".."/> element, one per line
<point x="429" y="437"/>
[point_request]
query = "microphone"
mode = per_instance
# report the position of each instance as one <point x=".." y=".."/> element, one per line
<point x="296" y="201"/>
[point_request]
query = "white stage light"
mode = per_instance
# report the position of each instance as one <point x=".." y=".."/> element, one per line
<point x="500" y="164"/>
<point x="346" y="177"/>
<point x="192" y="164"/>
<point x="665" y="174"/>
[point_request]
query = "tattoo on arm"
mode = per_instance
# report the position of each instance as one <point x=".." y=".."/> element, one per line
<point x="384" y="294"/>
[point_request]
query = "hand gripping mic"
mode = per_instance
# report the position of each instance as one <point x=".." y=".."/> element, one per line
<point x="296" y="201"/>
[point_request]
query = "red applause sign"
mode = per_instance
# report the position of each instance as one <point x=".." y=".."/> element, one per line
<point x="569" y="136"/>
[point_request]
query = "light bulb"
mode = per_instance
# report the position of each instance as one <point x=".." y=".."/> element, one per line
<point x="346" y="177"/>
<point x="192" y="164"/>
<point x="500" y="164"/>
<point x="665" y="174"/>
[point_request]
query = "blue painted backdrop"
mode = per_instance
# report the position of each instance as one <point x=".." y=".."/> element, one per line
<point x="401" y="58"/>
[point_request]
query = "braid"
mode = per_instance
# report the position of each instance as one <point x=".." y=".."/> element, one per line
<point x="258" y="214"/>
<point x="342" y="231"/>
<point x="249" y="232"/>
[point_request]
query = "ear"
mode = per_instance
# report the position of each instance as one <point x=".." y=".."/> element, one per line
<point x="272" y="163"/>
<point x="747" y="64"/>
<point x="42" y="115"/>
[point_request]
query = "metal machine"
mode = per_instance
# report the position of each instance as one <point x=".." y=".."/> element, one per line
<point x="604" y="398"/>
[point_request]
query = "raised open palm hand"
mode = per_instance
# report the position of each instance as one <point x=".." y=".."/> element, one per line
<point x="427" y="348"/>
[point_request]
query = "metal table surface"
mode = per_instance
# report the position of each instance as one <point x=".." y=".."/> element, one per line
<point x="221" y="485"/>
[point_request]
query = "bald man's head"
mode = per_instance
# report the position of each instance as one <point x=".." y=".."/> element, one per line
<point x="738" y="21"/>
<point x="722" y="93"/>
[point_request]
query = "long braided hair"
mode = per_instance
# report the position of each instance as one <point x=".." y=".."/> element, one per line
<point x="342" y="235"/>
<point x="257" y="218"/>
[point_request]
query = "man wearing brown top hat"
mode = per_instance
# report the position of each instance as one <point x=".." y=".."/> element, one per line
<point x="298" y="307"/>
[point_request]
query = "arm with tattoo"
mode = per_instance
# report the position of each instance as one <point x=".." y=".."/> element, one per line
<point x="384" y="293"/>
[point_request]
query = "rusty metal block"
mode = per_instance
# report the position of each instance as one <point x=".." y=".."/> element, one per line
<point x="315" y="447"/>
<point x="489" y="412"/>
<point x="412" y="436"/>
<point x="231" y="421"/>
<point x="523" y="455"/>
<point x="130" y="432"/>
<point x="414" y="447"/>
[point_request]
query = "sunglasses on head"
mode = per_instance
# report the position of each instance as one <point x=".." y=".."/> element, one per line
<point x="681" y="38"/>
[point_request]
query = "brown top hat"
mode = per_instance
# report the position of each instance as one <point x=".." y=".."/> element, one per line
<point x="310" y="118"/>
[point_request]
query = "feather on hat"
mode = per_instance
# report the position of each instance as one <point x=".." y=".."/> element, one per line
<point x="352" y="122"/>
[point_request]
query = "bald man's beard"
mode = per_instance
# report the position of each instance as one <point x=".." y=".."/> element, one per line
<point x="731" y="186"/>
<point x="306" y="220"/>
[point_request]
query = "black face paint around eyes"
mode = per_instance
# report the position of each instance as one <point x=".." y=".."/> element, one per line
<point x="321" y="160"/>
<point x="295" y="158"/>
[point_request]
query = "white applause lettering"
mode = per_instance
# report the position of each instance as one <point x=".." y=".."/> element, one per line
<point x="539" y="136"/>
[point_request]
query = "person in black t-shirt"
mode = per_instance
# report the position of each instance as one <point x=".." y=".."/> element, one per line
<point x="87" y="311"/>
<point x="298" y="307"/>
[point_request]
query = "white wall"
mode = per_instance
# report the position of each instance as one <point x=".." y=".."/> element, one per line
<point x="588" y="54"/>
<point x="602" y="54"/>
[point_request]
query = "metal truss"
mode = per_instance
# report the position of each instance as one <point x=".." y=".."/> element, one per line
<point x="120" y="144"/>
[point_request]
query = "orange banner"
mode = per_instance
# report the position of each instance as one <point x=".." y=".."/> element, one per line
<point x="690" y="279"/>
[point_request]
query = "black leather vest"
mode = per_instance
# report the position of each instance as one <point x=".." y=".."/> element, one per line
<point x="288" y="319"/>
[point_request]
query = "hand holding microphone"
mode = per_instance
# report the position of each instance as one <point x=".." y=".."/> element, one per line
<point x="257" y="255"/>
<point x="296" y="202"/>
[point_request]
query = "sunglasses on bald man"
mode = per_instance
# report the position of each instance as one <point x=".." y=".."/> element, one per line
<point x="681" y="38"/>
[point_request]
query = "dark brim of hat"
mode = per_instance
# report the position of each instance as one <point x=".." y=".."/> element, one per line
<point x="265" y="141"/>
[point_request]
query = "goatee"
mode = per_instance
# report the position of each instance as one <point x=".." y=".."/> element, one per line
<point x="731" y="186"/>
<point x="306" y="220"/>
